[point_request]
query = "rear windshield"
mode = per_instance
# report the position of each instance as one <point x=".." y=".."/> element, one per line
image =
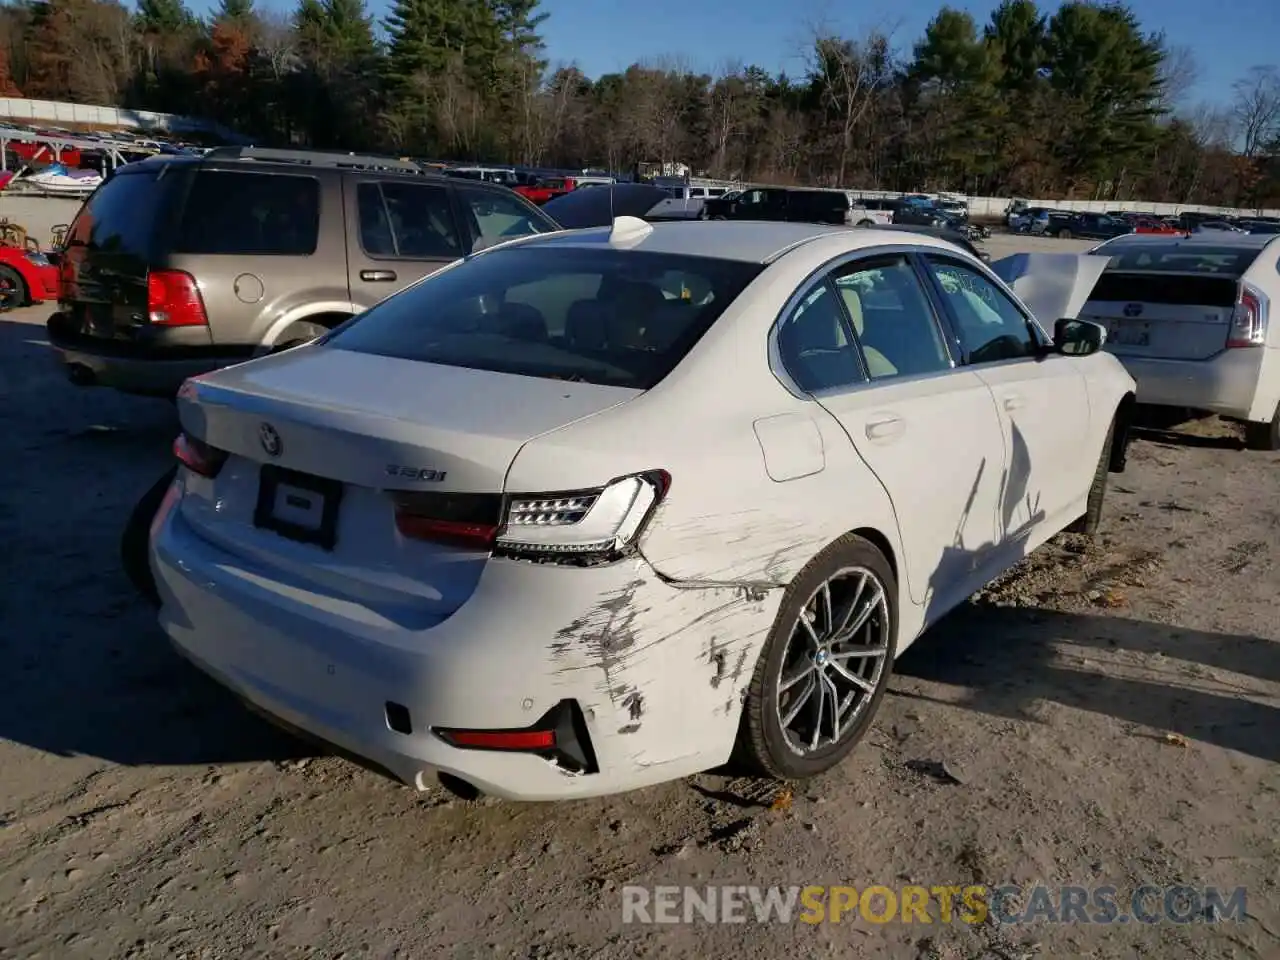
<point x="120" y="216"/>
<point x="1199" y="258"/>
<point x="598" y="316"/>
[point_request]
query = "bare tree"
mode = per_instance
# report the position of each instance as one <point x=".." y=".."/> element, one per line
<point x="277" y="42"/>
<point x="1257" y="108"/>
<point x="1178" y="74"/>
<point x="849" y="74"/>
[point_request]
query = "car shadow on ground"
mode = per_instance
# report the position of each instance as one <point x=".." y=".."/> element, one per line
<point x="84" y="669"/>
<point x="1010" y="659"/>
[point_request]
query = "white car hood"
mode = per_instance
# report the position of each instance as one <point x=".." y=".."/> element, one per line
<point x="1053" y="285"/>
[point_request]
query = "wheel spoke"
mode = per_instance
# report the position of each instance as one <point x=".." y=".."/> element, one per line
<point x="788" y="682"/>
<point x="801" y="700"/>
<point x="814" y="640"/>
<point x="853" y="605"/>
<point x="821" y="701"/>
<point x="835" y="705"/>
<point x="828" y="621"/>
<point x="861" y="620"/>
<point x="863" y="685"/>
<point x="858" y="653"/>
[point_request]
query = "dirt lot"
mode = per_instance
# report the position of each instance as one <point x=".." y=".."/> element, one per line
<point x="143" y="813"/>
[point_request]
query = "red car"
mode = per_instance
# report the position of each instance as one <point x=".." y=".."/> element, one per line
<point x="26" y="277"/>
<point x="1152" y="225"/>
<point x="547" y="189"/>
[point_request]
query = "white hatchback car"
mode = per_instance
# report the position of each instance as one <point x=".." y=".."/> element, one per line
<point x="583" y="511"/>
<point x="1190" y="318"/>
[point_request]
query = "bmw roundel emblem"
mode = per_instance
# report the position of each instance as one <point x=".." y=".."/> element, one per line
<point x="270" y="439"/>
<point x="1133" y="310"/>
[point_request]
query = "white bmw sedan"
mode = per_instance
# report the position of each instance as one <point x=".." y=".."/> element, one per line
<point x="586" y="510"/>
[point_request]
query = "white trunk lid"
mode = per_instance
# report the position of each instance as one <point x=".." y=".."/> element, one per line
<point x="330" y="433"/>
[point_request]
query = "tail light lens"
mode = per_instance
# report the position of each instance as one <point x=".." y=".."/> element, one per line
<point x="173" y="300"/>
<point x="1249" y="321"/>
<point x="582" y="524"/>
<point x="569" y="527"/>
<point x="197" y="456"/>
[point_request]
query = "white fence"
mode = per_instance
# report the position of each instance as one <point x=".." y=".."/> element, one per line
<point x="996" y="206"/>
<point x="54" y="111"/>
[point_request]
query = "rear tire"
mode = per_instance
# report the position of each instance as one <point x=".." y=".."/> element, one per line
<point x="866" y="223"/>
<point x="1263" y="436"/>
<point x="135" y="541"/>
<point x="1092" y="519"/>
<point x="1064" y="234"/>
<point x="850" y="581"/>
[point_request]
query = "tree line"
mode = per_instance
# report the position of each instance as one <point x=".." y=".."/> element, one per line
<point x="1080" y="101"/>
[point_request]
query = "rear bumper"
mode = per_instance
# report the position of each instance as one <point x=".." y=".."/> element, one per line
<point x="657" y="671"/>
<point x="152" y="366"/>
<point x="1226" y="384"/>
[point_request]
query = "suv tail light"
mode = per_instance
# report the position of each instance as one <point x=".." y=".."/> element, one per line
<point x="1249" y="320"/>
<point x="173" y="300"/>
<point x="198" y="457"/>
<point x="568" y="527"/>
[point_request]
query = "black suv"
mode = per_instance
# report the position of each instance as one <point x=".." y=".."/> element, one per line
<point x="179" y="265"/>
<point x="780" y="203"/>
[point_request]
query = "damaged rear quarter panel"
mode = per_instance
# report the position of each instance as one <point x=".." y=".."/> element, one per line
<point x="660" y="669"/>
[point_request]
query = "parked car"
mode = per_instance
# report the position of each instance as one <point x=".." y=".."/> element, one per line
<point x="1029" y="218"/>
<point x="920" y="214"/>
<point x="781" y="203"/>
<point x="176" y="266"/>
<point x="872" y="211"/>
<point x="1154" y="225"/>
<point x="1091" y="226"/>
<point x="27" y="277"/>
<point x="481" y="474"/>
<point x="1190" y="318"/>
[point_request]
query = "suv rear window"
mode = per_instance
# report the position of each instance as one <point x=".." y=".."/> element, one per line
<point x="120" y="216"/>
<point x="250" y="214"/>
<point x="622" y="318"/>
<point x="1182" y="258"/>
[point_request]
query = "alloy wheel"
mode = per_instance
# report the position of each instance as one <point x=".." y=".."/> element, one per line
<point x="834" y="660"/>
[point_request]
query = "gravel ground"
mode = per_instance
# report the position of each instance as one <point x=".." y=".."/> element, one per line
<point x="1109" y="713"/>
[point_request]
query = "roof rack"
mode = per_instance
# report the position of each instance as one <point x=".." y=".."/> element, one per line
<point x="317" y="158"/>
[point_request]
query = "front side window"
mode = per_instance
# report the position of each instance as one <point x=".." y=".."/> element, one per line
<point x="891" y="315"/>
<point x="614" y="317"/>
<point x="496" y="216"/>
<point x="407" y="220"/>
<point x="991" y="327"/>
<point x="250" y="214"/>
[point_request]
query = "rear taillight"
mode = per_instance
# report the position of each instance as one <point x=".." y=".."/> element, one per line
<point x="198" y="457"/>
<point x="468" y="520"/>
<point x="1249" y="320"/>
<point x="173" y="300"/>
<point x="570" y="527"/>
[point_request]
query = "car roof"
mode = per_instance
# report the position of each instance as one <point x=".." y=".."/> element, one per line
<point x="1245" y="241"/>
<point x="744" y="240"/>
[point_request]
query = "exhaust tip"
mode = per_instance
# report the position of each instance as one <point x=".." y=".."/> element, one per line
<point x="459" y="787"/>
<point x="80" y="375"/>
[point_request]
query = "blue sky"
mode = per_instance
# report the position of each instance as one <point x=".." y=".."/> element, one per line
<point x="1226" y="36"/>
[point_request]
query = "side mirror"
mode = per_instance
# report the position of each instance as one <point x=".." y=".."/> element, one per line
<point x="1078" y="338"/>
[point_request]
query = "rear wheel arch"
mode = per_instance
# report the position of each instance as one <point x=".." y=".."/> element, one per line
<point x="301" y="329"/>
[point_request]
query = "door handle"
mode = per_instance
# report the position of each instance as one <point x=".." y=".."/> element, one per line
<point x="885" y="428"/>
<point x="374" y="276"/>
<point x="1014" y="403"/>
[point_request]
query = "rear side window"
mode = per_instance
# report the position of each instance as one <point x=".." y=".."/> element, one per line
<point x="615" y="317"/>
<point x="407" y="220"/>
<point x="120" y="216"/>
<point x="497" y="216"/>
<point x="250" y="214"/>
